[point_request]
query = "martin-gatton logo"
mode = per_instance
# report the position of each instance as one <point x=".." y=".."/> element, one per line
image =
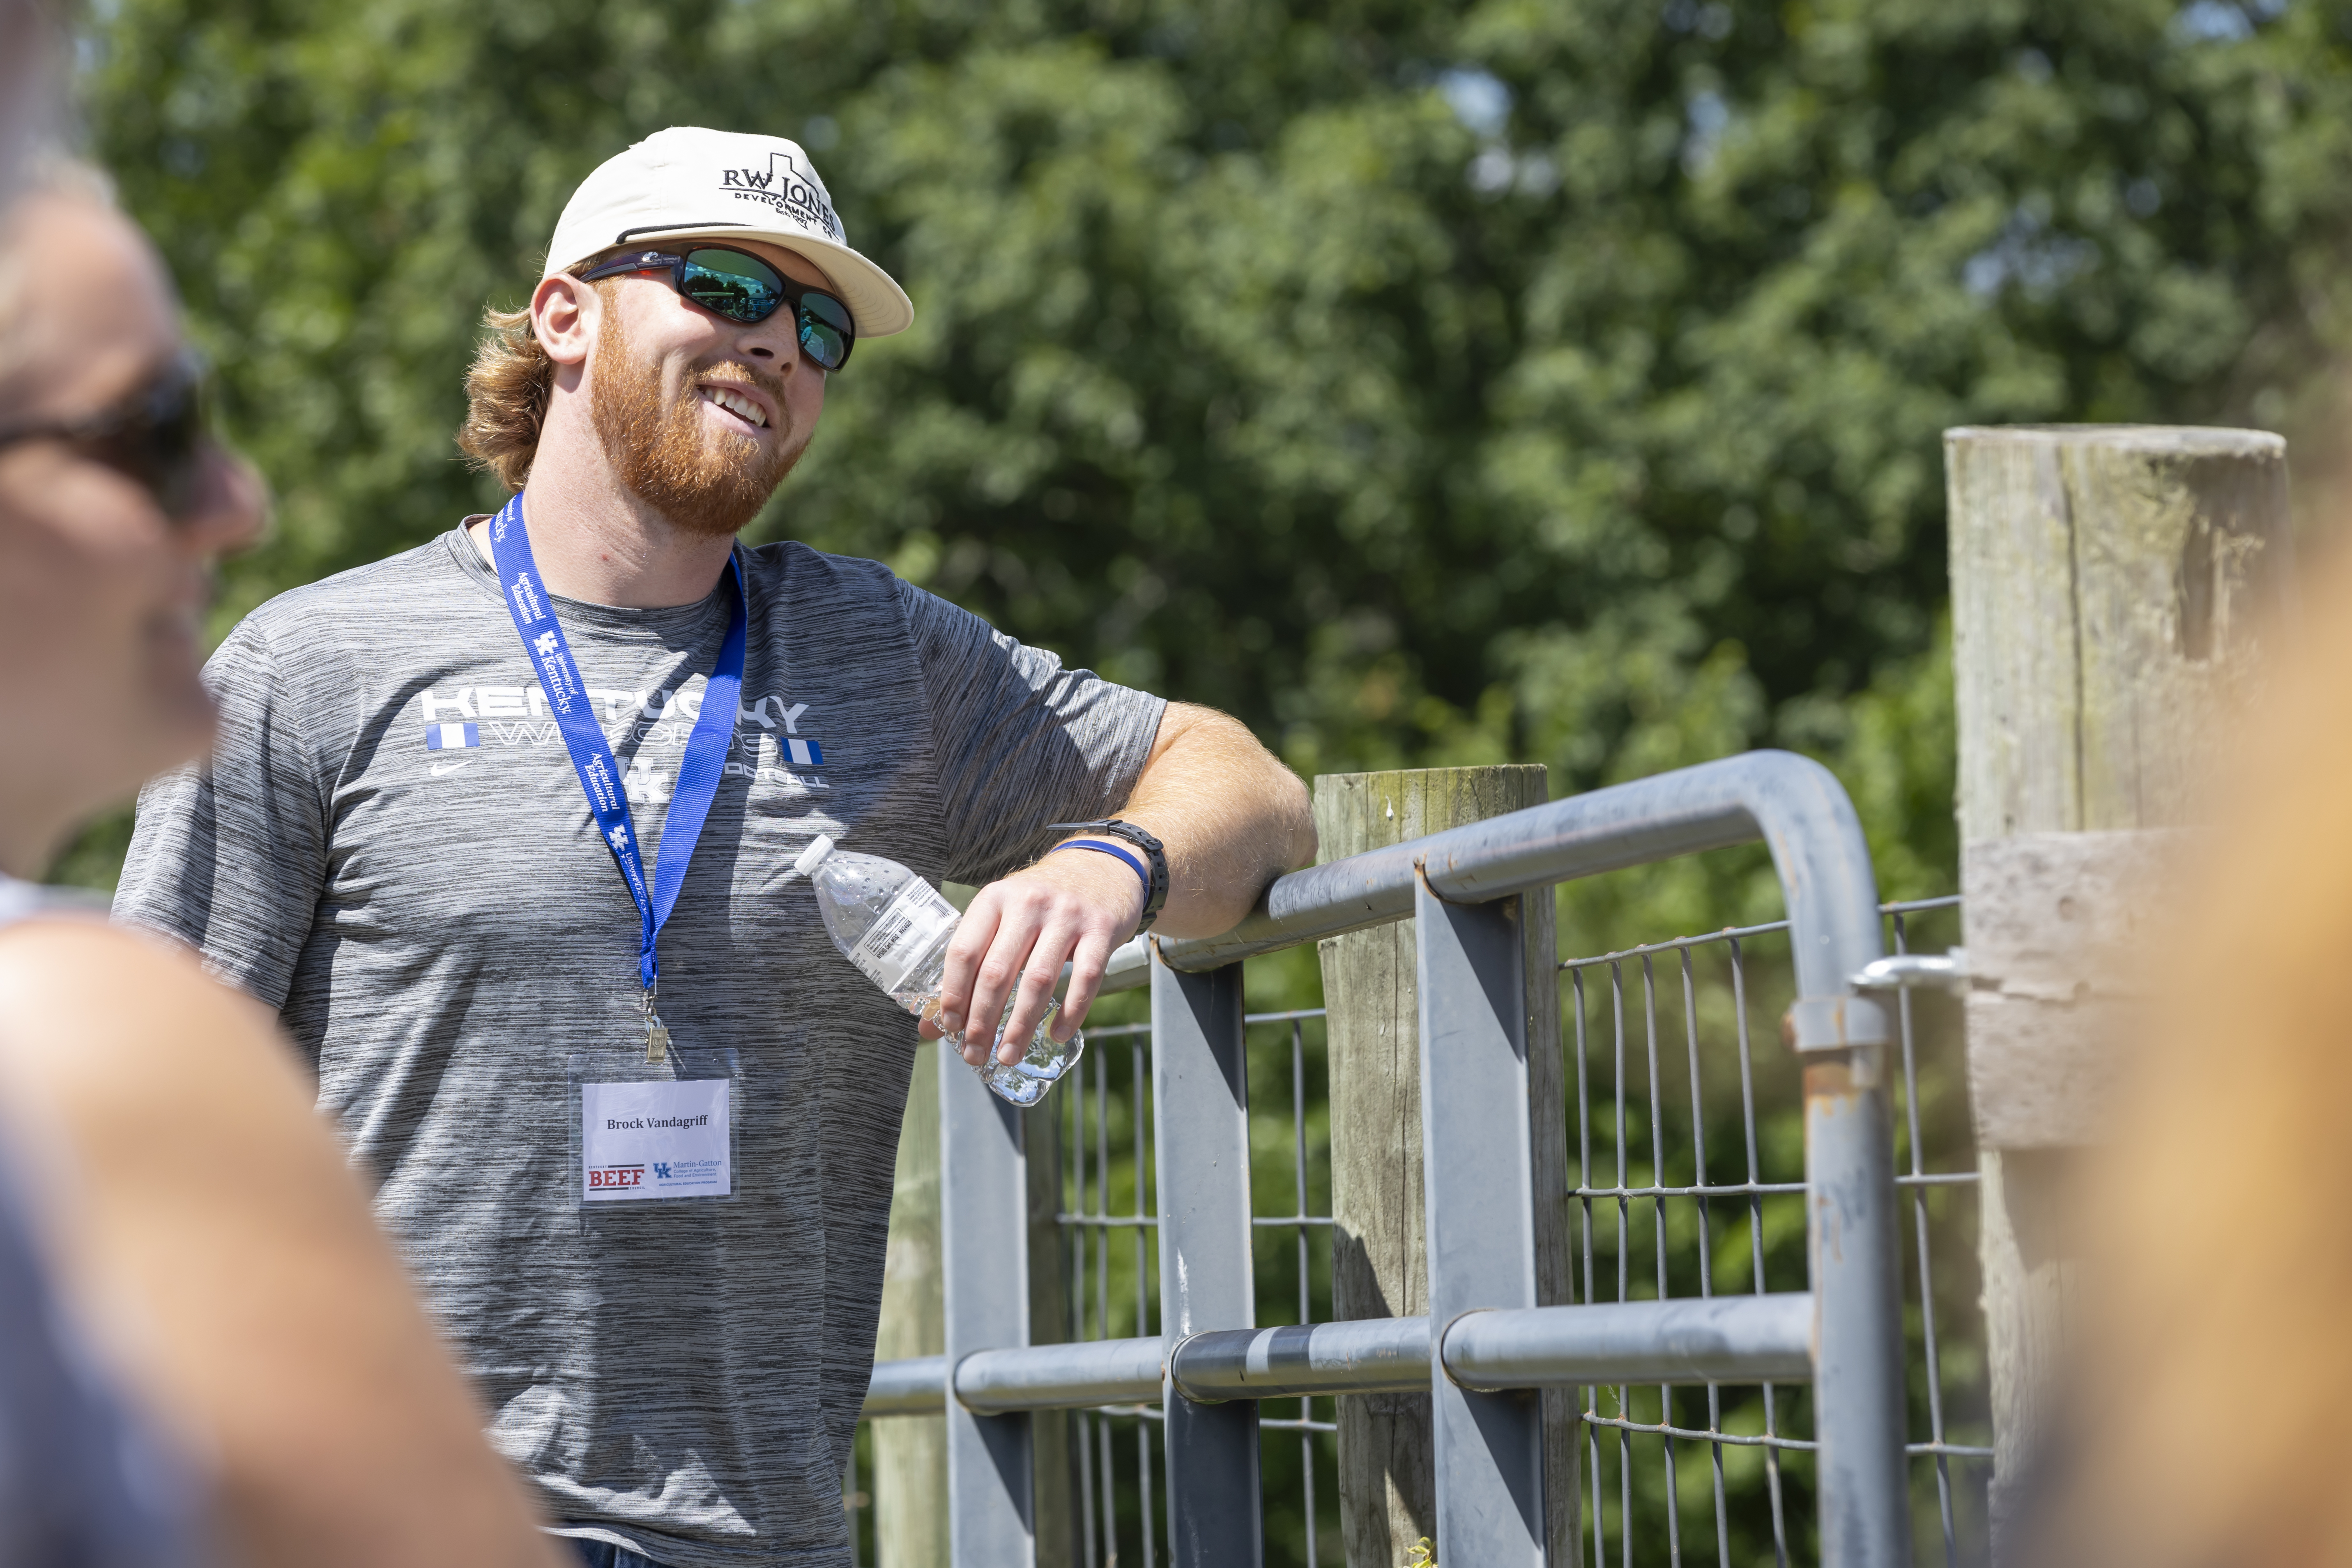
<point x="784" y="186"/>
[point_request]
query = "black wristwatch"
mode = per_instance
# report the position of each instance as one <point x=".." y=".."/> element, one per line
<point x="1156" y="893"/>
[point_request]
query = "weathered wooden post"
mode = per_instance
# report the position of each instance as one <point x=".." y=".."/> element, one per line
<point x="1378" y="1252"/>
<point x="910" y="1452"/>
<point x="2106" y="584"/>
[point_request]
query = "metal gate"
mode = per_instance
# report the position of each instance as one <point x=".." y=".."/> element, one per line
<point x="1485" y="1341"/>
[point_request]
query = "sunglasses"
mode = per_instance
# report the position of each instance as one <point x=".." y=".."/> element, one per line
<point x="744" y="287"/>
<point x="157" y="436"/>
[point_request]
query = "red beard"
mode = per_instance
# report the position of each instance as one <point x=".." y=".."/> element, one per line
<point x="703" y="483"/>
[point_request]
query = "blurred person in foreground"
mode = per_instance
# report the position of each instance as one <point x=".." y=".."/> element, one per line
<point x="33" y="61"/>
<point x="198" y="1241"/>
<point x="2213" y="1362"/>
<point x="412" y="841"/>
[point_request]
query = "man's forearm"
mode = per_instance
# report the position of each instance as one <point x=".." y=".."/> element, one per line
<point x="1230" y="814"/>
<point x="1231" y="818"/>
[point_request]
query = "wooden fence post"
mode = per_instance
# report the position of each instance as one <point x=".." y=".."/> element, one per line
<point x="2106" y="585"/>
<point x="1380" y="1266"/>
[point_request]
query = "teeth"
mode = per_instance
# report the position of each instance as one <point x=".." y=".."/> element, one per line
<point x="735" y="402"/>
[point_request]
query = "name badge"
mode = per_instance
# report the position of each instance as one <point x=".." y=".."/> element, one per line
<point x="644" y="1138"/>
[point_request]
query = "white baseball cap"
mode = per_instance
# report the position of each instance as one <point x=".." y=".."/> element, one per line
<point x="687" y="183"/>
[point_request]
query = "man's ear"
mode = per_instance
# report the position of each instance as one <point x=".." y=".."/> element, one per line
<point x="564" y="315"/>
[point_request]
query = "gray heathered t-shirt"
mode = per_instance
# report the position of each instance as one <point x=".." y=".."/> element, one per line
<point x="392" y="847"/>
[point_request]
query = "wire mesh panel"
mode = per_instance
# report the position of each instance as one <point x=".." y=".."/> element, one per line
<point x="1935" y="1155"/>
<point x="1688" y="1172"/>
<point x="1112" y="1266"/>
<point x="1290" y="1148"/>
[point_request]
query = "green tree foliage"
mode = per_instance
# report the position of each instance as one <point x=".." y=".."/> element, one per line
<point x="1541" y="379"/>
<point x="1423" y="383"/>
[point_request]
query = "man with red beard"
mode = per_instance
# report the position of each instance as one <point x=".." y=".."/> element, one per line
<point x="505" y="826"/>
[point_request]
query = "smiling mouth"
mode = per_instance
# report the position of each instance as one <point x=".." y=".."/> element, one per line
<point x="735" y="402"/>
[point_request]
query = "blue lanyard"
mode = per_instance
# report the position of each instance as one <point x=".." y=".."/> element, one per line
<point x="592" y="755"/>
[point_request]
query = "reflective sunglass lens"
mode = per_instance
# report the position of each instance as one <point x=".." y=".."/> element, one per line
<point x="827" y="330"/>
<point x="740" y="288"/>
<point x="823" y="343"/>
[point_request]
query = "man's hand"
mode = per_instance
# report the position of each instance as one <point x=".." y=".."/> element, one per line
<point x="1231" y="818"/>
<point x="1073" y="907"/>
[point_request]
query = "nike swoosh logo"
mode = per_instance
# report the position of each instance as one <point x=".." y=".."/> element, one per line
<point x="440" y="768"/>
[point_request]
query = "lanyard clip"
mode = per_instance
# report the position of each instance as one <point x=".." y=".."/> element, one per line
<point x="656" y="1032"/>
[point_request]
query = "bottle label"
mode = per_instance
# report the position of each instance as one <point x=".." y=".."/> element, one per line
<point x="918" y="920"/>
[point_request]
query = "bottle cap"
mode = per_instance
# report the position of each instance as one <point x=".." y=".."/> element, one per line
<point x="816" y="851"/>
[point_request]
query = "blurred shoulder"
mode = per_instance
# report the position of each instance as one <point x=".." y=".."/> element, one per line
<point x="73" y="978"/>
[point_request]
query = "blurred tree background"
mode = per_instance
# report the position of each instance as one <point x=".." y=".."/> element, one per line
<point x="1424" y="383"/>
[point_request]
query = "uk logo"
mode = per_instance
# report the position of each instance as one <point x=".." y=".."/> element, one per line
<point x="619" y="836"/>
<point x="661" y="1170"/>
<point x="545" y="645"/>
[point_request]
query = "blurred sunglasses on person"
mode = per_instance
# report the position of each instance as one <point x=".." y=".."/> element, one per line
<point x="744" y="288"/>
<point x="157" y="436"/>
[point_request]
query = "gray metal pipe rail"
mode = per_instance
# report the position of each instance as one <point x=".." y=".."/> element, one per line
<point x="917" y="1386"/>
<point x="1720" y="1339"/>
<point x="1056" y="1377"/>
<point x="1381" y="1355"/>
<point x="1793" y="804"/>
<point x="1214" y="1364"/>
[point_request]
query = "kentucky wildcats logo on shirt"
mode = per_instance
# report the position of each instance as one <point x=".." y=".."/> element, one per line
<point x="769" y="744"/>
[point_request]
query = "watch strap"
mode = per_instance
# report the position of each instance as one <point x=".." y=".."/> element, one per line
<point x="1126" y="856"/>
<point x="1155" y="895"/>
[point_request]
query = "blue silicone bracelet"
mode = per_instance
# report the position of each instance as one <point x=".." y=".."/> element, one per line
<point x="1134" y="865"/>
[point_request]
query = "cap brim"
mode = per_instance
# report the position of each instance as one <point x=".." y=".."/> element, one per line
<point x="877" y="303"/>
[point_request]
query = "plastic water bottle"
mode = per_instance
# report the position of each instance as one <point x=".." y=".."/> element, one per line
<point x="894" y="927"/>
